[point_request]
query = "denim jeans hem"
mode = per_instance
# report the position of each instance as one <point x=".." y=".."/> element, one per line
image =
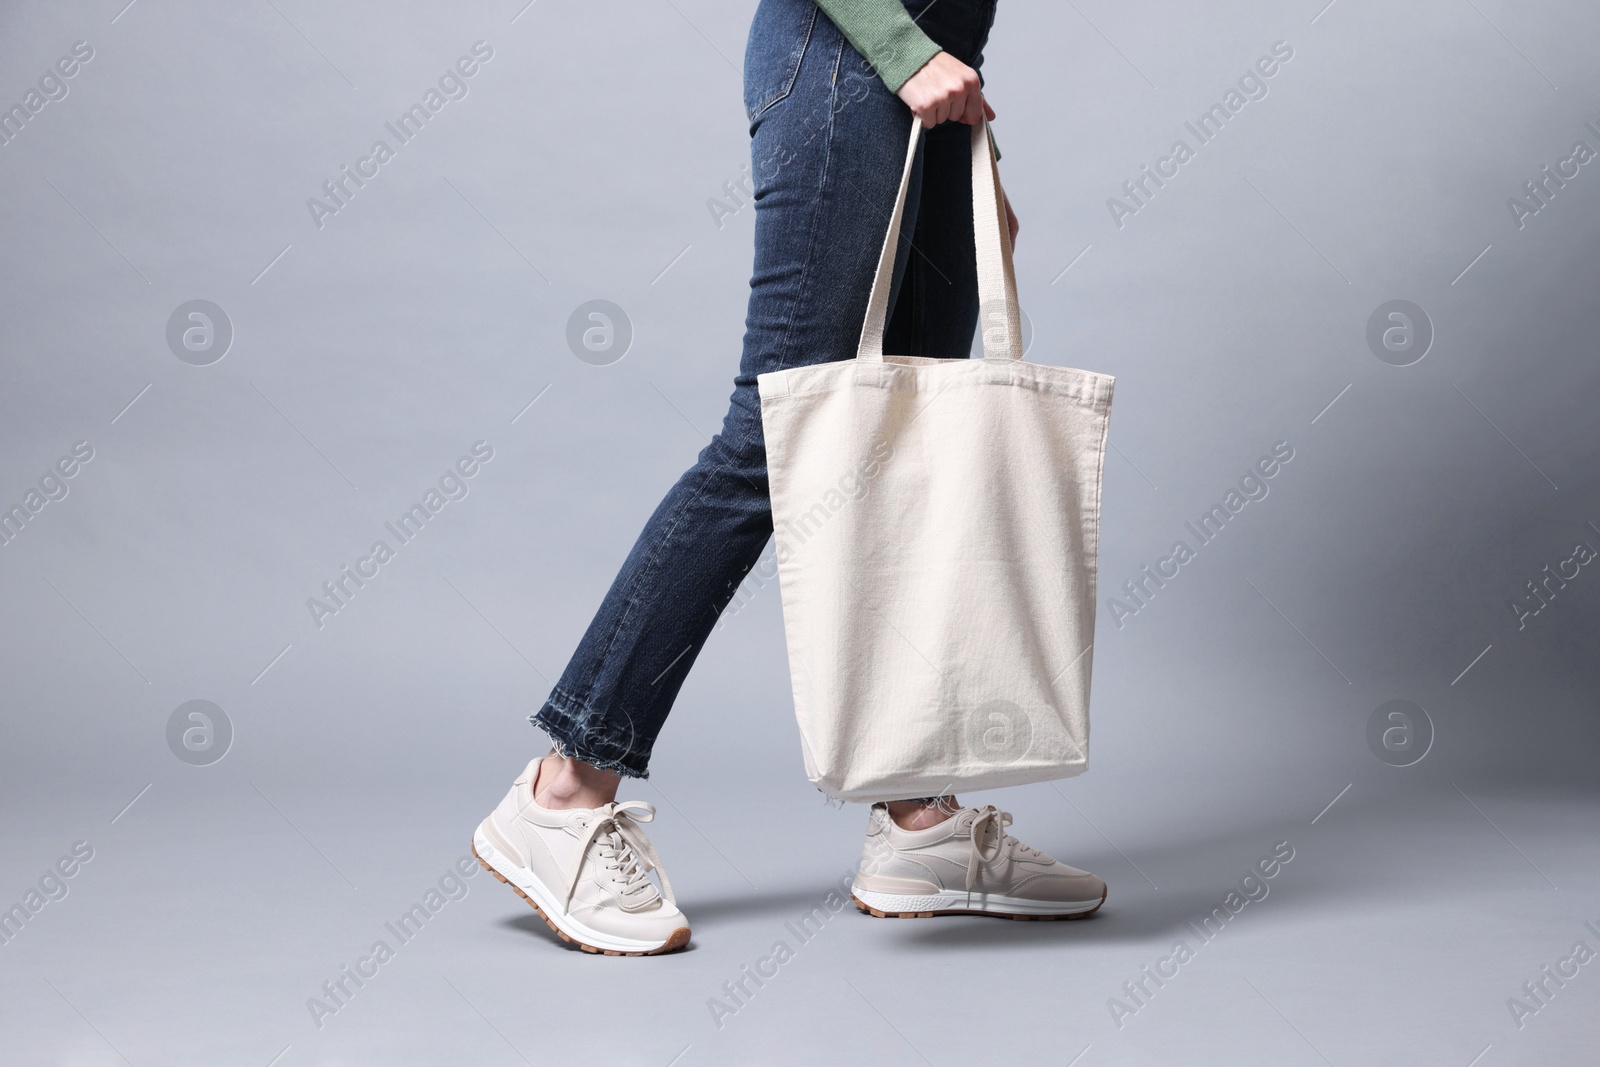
<point x="572" y="731"/>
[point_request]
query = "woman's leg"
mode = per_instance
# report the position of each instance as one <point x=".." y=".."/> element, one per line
<point x="828" y="142"/>
<point x="922" y="812"/>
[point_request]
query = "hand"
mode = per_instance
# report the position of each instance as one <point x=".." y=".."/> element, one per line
<point x="945" y="89"/>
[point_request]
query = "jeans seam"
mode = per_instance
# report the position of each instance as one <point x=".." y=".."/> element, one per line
<point x="816" y="214"/>
<point x="780" y="95"/>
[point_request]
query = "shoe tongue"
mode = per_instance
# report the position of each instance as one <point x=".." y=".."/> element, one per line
<point x="636" y="894"/>
<point x="609" y="844"/>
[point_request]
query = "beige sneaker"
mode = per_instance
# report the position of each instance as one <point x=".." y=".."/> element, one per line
<point x="584" y="870"/>
<point x="966" y="865"/>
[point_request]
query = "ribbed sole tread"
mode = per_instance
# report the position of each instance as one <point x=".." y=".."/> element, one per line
<point x="678" y="938"/>
<point x="870" y="910"/>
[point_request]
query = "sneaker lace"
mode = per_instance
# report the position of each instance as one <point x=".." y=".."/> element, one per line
<point x="623" y="848"/>
<point x="990" y="841"/>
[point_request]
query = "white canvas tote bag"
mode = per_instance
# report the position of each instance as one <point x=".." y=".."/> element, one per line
<point x="937" y="523"/>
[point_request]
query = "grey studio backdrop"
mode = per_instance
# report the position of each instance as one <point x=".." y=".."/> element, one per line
<point x="1428" y="540"/>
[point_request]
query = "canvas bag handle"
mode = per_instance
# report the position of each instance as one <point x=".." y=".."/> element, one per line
<point x="999" y="316"/>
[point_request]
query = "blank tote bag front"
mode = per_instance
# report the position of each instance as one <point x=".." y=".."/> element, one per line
<point x="937" y="523"/>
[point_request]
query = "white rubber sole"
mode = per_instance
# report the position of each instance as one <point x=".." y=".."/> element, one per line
<point x="960" y="902"/>
<point x="585" y="937"/>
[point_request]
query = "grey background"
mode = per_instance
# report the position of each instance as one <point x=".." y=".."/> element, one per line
<point x="370" y="354"/>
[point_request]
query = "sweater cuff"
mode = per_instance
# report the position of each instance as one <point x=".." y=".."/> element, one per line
<point x="911" y="53"/>
<point x="898" y="47"/>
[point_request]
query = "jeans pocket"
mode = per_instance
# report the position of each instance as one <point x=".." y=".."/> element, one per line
<point x="779" y="35"/>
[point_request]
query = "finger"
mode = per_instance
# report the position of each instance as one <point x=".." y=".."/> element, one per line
<point x="961" y="109"/>
<point x="988" y="111"/>
<point x="974" y="109"/>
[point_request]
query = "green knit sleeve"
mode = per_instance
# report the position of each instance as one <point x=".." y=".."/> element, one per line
<point x="883" y="33"/>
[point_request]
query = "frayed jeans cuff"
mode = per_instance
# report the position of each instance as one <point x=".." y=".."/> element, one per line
<point x="579" y="733"/>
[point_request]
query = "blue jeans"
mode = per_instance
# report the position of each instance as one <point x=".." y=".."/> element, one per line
<point x="828" y="142"/>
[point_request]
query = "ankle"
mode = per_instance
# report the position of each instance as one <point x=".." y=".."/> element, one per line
<point x="919" y="815"/>
<point x="570" y="783"/>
